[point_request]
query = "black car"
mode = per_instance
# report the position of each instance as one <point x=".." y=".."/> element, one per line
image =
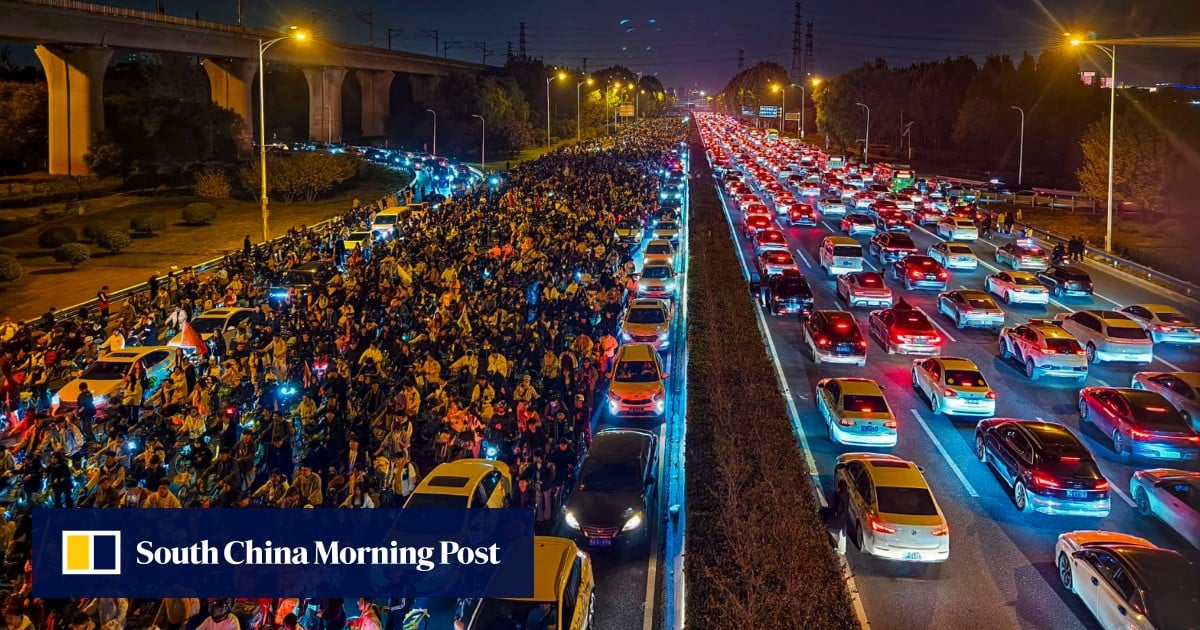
<point x="889" y="247"/>
<point x="787" y="293"/>
<point x="611" y="497"/>
<point x="1045" y="465"/>
<point x="1066" y="280"/>
<point x="301" y="279"/>
<point x="834" y="337"/>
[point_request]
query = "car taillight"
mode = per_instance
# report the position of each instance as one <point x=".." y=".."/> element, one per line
<point x="936" y="340"/>
<point x="941" y="275"/>
<point x="881" y="527"/>
<point x="1138" y="434"/>
<point x="846" y="422"/>
<point x="940" y="530"/>
<point x="915" y="275"/>
<point x="1163" y="328"/>
<point x="991" y="395"/>
<point x="1049" y="351"/>
<point x="1101" y="485"/>
<point x="862" y="343"/>
<point x="822" y="341"/>
<point x="1042" y="479"/>
<point x="949" y="393"/>
<point x="891" y="424"/>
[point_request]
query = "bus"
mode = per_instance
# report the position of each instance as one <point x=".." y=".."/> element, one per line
<point x="898" y="176"/>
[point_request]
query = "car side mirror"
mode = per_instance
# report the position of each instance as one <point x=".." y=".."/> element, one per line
<point x="665" y="375"/>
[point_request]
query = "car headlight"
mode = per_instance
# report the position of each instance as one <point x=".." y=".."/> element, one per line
<point x="662" y="336"/>
<point x="643" y="286"/>
<point x="570" y="520"/>
<point x="626" y="336"/>
<point x="633" y="523"/>
<point x="99" y="400"/>
<point x="616" y="235"/>
<point x="55" y="400"/>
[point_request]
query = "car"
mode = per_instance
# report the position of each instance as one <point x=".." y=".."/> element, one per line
<point x="1066" y="280"/>
<point x="105" y="377"/>
<point x="1171" y="495"/>
<point x="774" y="262"/>
<point x="1016" y="287"/>
<point x="863" y="199"/>
<point x="670" y="192"/>
<point x="927" y="215"/>
<point x="1108" y="336"/>
<point x="970" y="309"/>
<point x="636" y="379"/>
<point x="769" y="240"/>
<point x="920" y="272"/>
<point x="840" y="255"/>
<point x="787" y="293"/>
<point x="953" y="255"/>
<point x="464" y="483"/>
<point x="657" y="279"/>
<point x="905" y="330"/>
<point x="1127" y="582"/>
<point x="630" y="232"/>
<point x="665" y="230"/>
<point x="647" y="321"/>
<point x="858" y="223"/>
<point x="563" y="583"/>
<point x="224" y="320"/>
<point x="612" y="497"/>
<point x="889" y="247"/>
<point x="301" y="279"/>
<point x="1022" y="254"/>
<point x="802" y="214"/>
<point x="856" y="412"/>
<point x="832" y="207"/>
<point x="1046" y="468"/>
<point x="893" y="220"/>
<point x="1141" y="423"/>
<point x="864" y="288"/>
<point x="953" y="386"/>
<point x="1164" y="323"/>
<point x="1182" y="389"/>
<point x="890" y="511"/>
<point x="881" y="207"/>
<point x="1043" y="349"/>
<point x="834" y="337"/>
<point x="757" y="208"/>
<point x="952" y="228"/>
<point x="755" y="224"/>
<point x="659" y="251"/>
<point x="357" y="239"/>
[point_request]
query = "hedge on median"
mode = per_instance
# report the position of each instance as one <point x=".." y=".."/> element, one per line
<point x="758" y="555"/>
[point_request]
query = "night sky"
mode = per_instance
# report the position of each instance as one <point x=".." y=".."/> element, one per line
<point x="695" y="43"/>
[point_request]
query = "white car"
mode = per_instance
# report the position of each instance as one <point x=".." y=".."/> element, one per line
<point x="856" y="412"/>
<point x="1171" y="495"/>
<point x="1128" y="583"/>
<point x="954" y="228"/>
<point x="1108" y="336"/>
<point x="657" y="280"/>
<point x="218" y="320"/>
<point x="105" y="377"/>
<point x="953" y="255"/>
<point x="953" y="386"/>
<point x="1017" y="287"/>
<point x="1164" y="323"/>
<point x="665" y="230"/>
<point x="832" y="207"/>
<point x="890" y="511"/>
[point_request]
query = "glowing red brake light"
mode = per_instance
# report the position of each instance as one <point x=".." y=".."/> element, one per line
<point x="1049" y="351"/>
<point x="1156" y="409"/>
<point x="941" y="275"/>
<point x="991" y="395"/>
<point x="949" y="393"/>
<point x="891" y="424"/>
<point x="1101" y="485"/>
<point x="940" y="530"/>
<point x="881" y="527"/>
<point x="1138" y="434"/>
<point x="1042" y="479"/>
<point x="842" y="326"/>
<point x="862" y="343"/>
<point x="1069" y="459"/>
<point x="915" y="274"/>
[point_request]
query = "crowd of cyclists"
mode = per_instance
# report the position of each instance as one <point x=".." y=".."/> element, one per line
<point x="481" y="328"/>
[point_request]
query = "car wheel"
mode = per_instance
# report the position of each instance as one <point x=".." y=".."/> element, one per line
<point x="1056" y="291"/>
<point x="1030" y="370"/>
<point x="1090" y="352"/>
<point x="1005" y="353"/>
<point x="813" y="348"/>
<point x="1142" y="501"/>
<point x="914" y="381"/>
<point x="1008" y="299"/>
<point x="1119" y="445"/>
<point x="1187" y="417"/>
<point x="980" y="449"/>
<point x="1013" y="264"/>
<point x="958" y="322"/>
<point x="860" y="540"/>
<point x="1084" y="412"/>
<point x="1136" y="385"/>
<point x="891" y="349"/>
<point x="829" y="429"/>
<point x="1064" y="573"/>
<point x="934" y="404"/>
<point x="1021" y="496"/>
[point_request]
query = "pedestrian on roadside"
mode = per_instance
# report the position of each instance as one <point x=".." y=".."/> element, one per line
<point x="102" y="303"/>
<point x="247" y="246"/>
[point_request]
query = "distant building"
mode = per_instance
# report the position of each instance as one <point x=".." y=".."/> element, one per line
<point x="1088" y="78"/>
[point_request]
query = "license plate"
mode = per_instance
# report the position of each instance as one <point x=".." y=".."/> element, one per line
<point x="918" y="339"/>
<point x="868" y="428"/>
<point x="1076" y="494"/>
<point x="600" y="542"/>
<point x="912" y="555"/>
<point x="931" y="277"/>
<point x="845" y="347"/>
<point x="1172" y="455"/>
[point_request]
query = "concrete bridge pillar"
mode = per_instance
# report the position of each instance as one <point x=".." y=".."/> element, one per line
<point x="325" y="103"/>
<point x="75" y="86"/>
<point x="376" y="100"/>
<point x="232" y="84"/>
<point x="424" y="86"/>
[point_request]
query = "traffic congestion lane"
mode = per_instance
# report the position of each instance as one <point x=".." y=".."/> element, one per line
<point x="1011" y="548"/>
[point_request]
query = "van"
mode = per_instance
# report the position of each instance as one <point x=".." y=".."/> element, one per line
<point x="385" y="221"/>
<point x="839" y="255"/>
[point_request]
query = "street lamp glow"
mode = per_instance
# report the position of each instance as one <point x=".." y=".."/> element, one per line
<point x="562" y="76"/>
<point x="1111" y="51"/>
<point x="294" y="32"/>
<point x="1075" y="42"/>
<point x="816" y="81"/>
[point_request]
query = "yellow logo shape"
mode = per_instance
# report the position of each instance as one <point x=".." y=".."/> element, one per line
<point x="91" y="552"/>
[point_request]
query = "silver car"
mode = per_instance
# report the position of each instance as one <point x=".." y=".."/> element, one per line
<point x="1171" y="495"/>
<point x="970" y="309"/>
<point x="957" y="229"/>
<point x="1164" y="323"/>
<point x="1108" y="336"/>
<point x="953" y="255"/>
<point x="1182" y="389"/>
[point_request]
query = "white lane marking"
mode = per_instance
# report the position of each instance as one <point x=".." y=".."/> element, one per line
<point x="945" y="455"/>
<point x="1121" y="493"/>
<point x="800" y="253"/>
<point x="829" y="227"/>
<point x="869" y="263"/>
<point x="1108" y="299"/>
<point x="1168" y="364"/>
<point x="933" y="321"/>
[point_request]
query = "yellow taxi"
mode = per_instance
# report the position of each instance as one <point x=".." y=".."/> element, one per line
<point x="563" y="593"/>
<point x="890" y="510"/>
<point x="636" y="387"/>
<point x="464" y="483"/>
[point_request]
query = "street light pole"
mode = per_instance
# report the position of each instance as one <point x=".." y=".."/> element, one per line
<point x="434" y="130"/>
<point x="482" y="144"/>
<point x="1021" y="152"/>
<point x="867" y="140"/>
<point x="1111" y="51"/>
<point x="548" y="81"/>
<point x="262" y="130"/>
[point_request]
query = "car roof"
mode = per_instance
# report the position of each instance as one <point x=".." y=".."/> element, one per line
<point x="457" y="477"/>
<point x="1158" y="308"/>
<point x="840" y="240"/>
<point x="659" y="242"/>
<point x="975" y="294"/>
<point x="129" y="355"/>
<point x="1051" y="434"/>
<point x="858" y="386"/>
<point x="1049" y="330"/>
<point x="1115" y="319"/>
<point x="552" y="556"/>
<point x="223" y="312"/>
<point x="956" y="363"/>
<point x="658" y="263"/>
<point x="648" y="303"/>
<point x="1164" y="575"/>
<point x="894" y="473"/>
<point x="620" y="445"/>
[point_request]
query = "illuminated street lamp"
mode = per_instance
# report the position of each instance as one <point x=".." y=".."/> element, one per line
<point x="867" y="140"/>
<point x="1111" y="51"/>
<point x="560" y="75"/>
<point x="578" y="114"/>
<point x="293" y="33"/>
<point x="482" y="144"/>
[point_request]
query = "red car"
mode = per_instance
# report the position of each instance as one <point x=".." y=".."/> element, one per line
<point x="920" y="272"/>
<point x="905" y="330"/>
<point x="1141" y="423"/>
<point x="756" y="223"/>
<point x="927" y="215"/>
<point x="802" y="214"/>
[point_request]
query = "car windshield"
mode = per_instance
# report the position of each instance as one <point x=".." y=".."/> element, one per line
<point x="771" y="237"/>
<point x="1158" y="417"/>
<point x="958" y="248"/>
<point x="666" y="225"/>
<point x="657" y="272"/>
<point x="611" y="476"/>
<point x="1173" y="318"/>
<point x="386" y="219"/>
<point x="431" y="500"/>
<point x="1116" y="332"/>
<point x="779" y="258"/>
<point x="504" y="614"/>
<point x="867" y="403"/>
<point x="1070" y="468"/>
<point x="1026" y="281"/>
<point x="910" y="501"/>
<point x="629" y="225"/>
<point x="871" y="279"/>
<point x="106" y="371"/>
<point x="913" y="322"/>
<point x="848" y="251"/>
<point x="965" y="378"/>
<point x="792" y="287"/>
<point x="299" y="277"/>
<point x="646" y="315"/>
<point x="637" y="372"/>
<point x="206" y="325"/>
<point x="861" y="219"/>
<point x="981" y="302"/>
<point x="1029" y="251"/>
<point x="658" y="249"/>
<point x="1063" y="345"/>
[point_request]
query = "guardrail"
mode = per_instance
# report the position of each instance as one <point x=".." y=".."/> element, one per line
<point x="104" y="9"/>
<point x="1102" y="257"/>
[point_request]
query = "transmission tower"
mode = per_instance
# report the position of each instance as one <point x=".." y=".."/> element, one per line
<point x="741" y="60"/>
<point x="585" y="65"/>
<point x="809" y="61"/>
<point x="797" y="43"/>
<point x="508" y="54"/>
<point x="521" y="44"/>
